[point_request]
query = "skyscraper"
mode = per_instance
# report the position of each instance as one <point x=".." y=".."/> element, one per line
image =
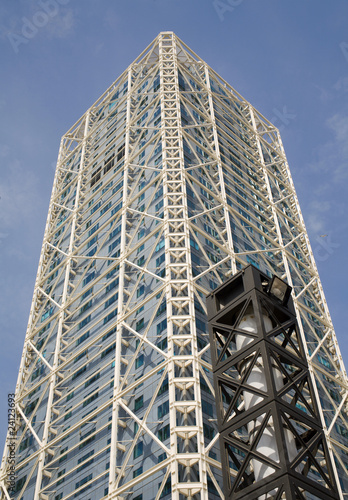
<point x="168" y="185"/>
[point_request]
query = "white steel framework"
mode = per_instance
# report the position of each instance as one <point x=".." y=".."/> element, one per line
<point x="170" y="183"/>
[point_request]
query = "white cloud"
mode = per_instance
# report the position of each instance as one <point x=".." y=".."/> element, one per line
<point x="332" y="156"/>
<point x="338" y="148"/>
<point x="62" y="25"/>
<point x="327" y="198"/>
<point x="341" y="84"/>
<point x="315" y="224"/>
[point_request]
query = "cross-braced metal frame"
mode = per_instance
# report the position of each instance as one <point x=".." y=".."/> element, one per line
<point x="271" y="438"/>
<point x="170" y="183"/>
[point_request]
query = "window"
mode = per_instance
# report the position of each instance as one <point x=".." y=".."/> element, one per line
<point x="163" y="409"/>
<point x="139" y="325"/>
<point x="208" y="432"/>
<point x="162" y="308"/>
<point x="109" y="163"/>
<point x="111" y="300"/>
<point x="207" y="408"/>
<point x="83" y="481"/>
<point x="63" y="454"/>
<point x="139" y="310"/>
<point x="30" y="407"/>
<point x="85" y="295"/>
<point x="80" y="356"/>
<point x="95" y="208"/>
<point x="95" y="176"/>
<point x="20" y="483"/>
<point x="158" y="206"/>
<point x="161" y="326"/>
<point x="86" y="463"/>
<point x="70" y="396"/>
<point x="108" y="350"/>
<point x="140" y="291"/>
<point x="159" y="245"/>
<point x="120" y="152"/>
<point x="60" y="473"/>
<point x="138" y="497"/>
<point x="110" y="316"/>
<point x="92" y="379"/>
<point x="115" y="232"/>
<point x="164" y="387"/>
<point x="114" y="244"/>
<point x="68" y="414"/>
<point x="92" y="241"/>
<point x="138" y="403"/>
<point x="117" y="188"/>
<point x="39" y="371"/>
<point x="79" y="372"/>
<point x="85" y="307"/>
<point x="26" y="443"/>
<point x="167" y="488"/>
<point x="92" y="252"/>
<point x="141" y="261"/>
<point x="86" y="440"/>
<point x="88" y="278"/>
<point x="137" y="472"/>
<point x="161" y="457"/>
<point x="44" y="329"/>
<point x="111" y="285"/>
<point x="156" y="86"/>
<point x="163" y="344"/>
<point x="138" y="449"/>
<point x="116" y="209"/>
<point x="106" y="208"/>
<point x="58" y="497"/>
<point x="82" y="338"/>
<point x="160" y="260"/>
<point x="211" y="487"/>
<point x="200" y="325"/>
<point x="89" y="400"/>
<point x="163" y="433"/>
<point x="108" y="334"/>
<point x="47" y="314"/>
<point x="139" y="361"/>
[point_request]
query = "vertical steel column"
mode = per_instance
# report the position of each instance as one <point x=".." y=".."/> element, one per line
<point x="55" y="366"/>
<point x="289" y="276"/>
<point x="119" y="328"/>
<point x="221" y="174"/>
<point x="188" y="468"/>
<point x="31" y="313"/>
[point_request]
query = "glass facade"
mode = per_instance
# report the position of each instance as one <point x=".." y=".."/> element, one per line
<point x="169" y="184"/>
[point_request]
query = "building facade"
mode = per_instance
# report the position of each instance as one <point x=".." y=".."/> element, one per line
<point x="166" y="187"/>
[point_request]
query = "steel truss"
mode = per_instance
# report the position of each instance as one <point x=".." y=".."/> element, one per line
<point x="272" y="442"/>
<point x="169" y="161"/>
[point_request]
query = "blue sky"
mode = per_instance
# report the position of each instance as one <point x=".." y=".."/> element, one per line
<point x="288" y="58"/>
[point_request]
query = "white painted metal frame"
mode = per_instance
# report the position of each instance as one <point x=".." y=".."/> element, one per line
<point x="214" y="124"/>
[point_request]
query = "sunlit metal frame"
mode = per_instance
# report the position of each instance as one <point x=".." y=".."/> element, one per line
<point x="290" y="249"/>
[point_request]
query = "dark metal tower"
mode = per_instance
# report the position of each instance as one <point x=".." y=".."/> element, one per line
<point x="271" y="438"/>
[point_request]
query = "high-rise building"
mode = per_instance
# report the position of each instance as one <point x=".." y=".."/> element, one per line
<point x="168" y="185"/>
